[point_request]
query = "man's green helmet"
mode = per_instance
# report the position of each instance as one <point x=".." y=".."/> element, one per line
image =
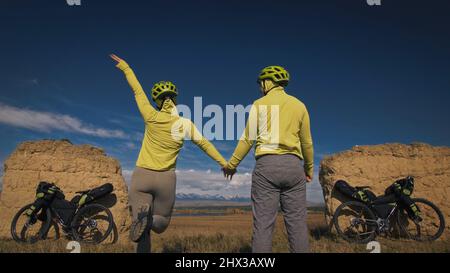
<point x="162" y="89"/>
<point x="275" y="73"/>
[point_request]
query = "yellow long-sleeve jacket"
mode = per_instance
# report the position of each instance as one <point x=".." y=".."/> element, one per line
<point x="279" y="124"/>
<point x="165" y="131"/>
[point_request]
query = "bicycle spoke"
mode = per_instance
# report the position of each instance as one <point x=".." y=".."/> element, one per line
<point x="359" y="227"/>
<point x="429" y="228"/>
<point x="93" y="224"/>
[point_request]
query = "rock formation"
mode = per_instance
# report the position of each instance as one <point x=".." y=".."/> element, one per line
<point x="380" y="165"/>
<point x="72" y="168"/>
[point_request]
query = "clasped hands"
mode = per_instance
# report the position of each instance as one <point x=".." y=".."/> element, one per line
<point x="228" y="172"/>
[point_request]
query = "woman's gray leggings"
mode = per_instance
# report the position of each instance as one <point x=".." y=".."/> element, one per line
<point x="154" y="192"/>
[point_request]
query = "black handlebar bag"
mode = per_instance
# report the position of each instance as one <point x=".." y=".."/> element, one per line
<point x="46" y="192"/>
<point x="402" y="189"/>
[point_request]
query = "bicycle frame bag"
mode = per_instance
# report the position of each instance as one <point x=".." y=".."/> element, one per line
<point x="364" y="196"/>
<point x="383" y="205"/>
<point x="95" y="194"/>
<point x="65" y="210"/>
<point x="383" y="210"/>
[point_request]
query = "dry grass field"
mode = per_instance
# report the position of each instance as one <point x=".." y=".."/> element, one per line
<point x="231" y="233"/>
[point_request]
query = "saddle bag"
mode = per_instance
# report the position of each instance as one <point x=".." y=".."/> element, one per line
<point x="93" y="194"/>
<point x="364" y="195"/>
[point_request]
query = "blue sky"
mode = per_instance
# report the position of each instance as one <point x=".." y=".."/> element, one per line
<point x="368" y="75"/>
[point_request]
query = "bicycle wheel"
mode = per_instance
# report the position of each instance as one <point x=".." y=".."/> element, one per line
<point x="93" y="223"/>
<point x="28" y="230"/>
<point x="355" y="222"/>
<point x="429" y="229"/>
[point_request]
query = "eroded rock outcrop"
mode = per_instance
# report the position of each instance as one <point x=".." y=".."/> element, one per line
<point x="379" y="166"/>
<point x="71" y="167"/>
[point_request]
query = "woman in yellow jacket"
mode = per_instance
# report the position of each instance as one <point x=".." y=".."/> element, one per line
<point x="152" y="191"/>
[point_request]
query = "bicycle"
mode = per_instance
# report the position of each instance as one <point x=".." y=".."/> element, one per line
<point x="80" y="221"/>
<point x="359" y="222"/>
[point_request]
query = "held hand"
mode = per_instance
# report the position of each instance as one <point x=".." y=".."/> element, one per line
<point x="308" y="178"/>
<point x="228" y="173"/>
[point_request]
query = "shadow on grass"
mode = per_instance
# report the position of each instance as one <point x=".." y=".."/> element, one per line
<point x="322" y="232"/>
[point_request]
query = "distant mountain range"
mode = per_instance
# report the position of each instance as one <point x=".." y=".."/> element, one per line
<point x="210" y="197"/>
<point x="202" y="200"/>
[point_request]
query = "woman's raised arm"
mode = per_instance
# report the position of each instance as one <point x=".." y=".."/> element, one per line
<point x="144" y="105"/>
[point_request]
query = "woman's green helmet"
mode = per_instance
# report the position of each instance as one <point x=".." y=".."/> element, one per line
<point x="164" y="89"/>
<point x="275" y="73"/>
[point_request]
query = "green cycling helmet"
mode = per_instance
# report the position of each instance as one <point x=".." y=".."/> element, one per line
<point x="164" y="88"/>
<point x="275" y="73"/>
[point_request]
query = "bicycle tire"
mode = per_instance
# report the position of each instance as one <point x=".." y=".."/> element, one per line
<point x="42" y="231"/>
<point x="367" y="210"/>
<point x="75" y="226"/>
<point x="441" y="227"/>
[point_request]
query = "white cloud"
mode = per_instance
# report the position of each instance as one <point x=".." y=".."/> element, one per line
<point x="130" y="145"/>
<point x="34" y="81"/>
<point x="127" y="176"/>
<point x="314" y="190"/>
<point x="209" y="182"/>
<point x="46" y="122"/>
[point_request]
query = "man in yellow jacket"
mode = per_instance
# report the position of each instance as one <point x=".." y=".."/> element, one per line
<point x="279" y="126"/>
<point x="152" y="190"/>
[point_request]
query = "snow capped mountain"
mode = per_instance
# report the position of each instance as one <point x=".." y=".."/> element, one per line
<point x="210" y="197"/>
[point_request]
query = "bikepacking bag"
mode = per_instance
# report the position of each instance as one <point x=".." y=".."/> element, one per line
<point x="403" y="186"/>
<point x="383" y="210"/>
<point x="94" y="194"/>
<point x="383" y="205"/>
<point x="364" y="195"/>
<point x="46" y="192"/>
<point x="65" y="210"/>
<point x="403" y="189"/>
